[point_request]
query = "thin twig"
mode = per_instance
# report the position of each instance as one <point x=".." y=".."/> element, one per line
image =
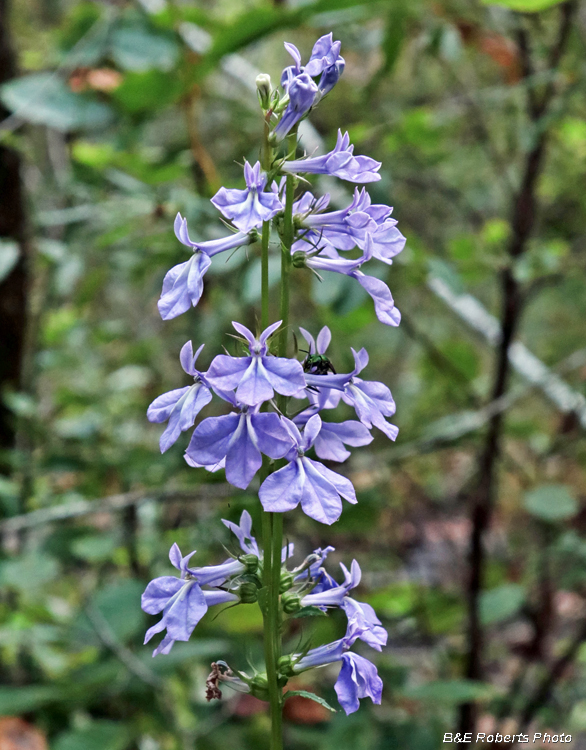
<point x="123" y="654"/>
<point x="110" y="504"/>
<point x="485" y="489"/>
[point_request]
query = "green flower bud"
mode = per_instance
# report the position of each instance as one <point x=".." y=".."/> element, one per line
<point x="251" y="562"/>
<point x="286" y="581"/>
<point x="259" y="687"/>
<point x="299" y="259"/>
<point x="248" y="593"/>
<point x="264" y="90"/>
<point x="291" y="602"/>
<point x="285" y="665"/>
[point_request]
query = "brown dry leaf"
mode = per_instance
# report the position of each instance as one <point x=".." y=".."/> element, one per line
<point x="17" y="734"/>
<point x="247" y="705"/>
<point x="299" y="710"/>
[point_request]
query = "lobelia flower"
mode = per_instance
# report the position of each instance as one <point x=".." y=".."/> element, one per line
<point x="248" y="544"/>
<point x="305" y="481"/>
<point x="248" y="208"/>
<point x="181" y="600"/>
<point x="371" y="400"/>
<point x="334" y="436"/>
<point x="182" y="405"/>
<point x="350" y="227"/>
<point x="333" y="595"/>
<point x="302" y="91"/>
<point x="239" y="438"/>
<point x="292" y="71"/>
<point x="358" y="677"/>
<point x="362" y="618"/>
<point x="384" y="305"/>
<point x="340" y="162"/>
<point x="326" y="61"/>
<point x="243" y="532"/>
<point x="259" y="375"/>
<point x="183" y="284"/>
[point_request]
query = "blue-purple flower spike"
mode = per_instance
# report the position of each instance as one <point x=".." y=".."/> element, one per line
<point x="274" y="413"/>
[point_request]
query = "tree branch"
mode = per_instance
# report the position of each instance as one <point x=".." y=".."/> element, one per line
<point x="483" y="495"/>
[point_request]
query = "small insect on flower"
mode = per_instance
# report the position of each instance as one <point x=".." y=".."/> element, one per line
<point x="318" y="364"/>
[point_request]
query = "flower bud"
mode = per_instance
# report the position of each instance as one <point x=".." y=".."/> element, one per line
<point x="286" y="581"/>
<point x="251" y="562"/>
<point x="291" y="602"/>
<point x="248" y="593"/>
<point x="264" y="90"/>
<point x="259" y="687"/>
<point x="299" y="259"/>
<point x="285" y="665"/>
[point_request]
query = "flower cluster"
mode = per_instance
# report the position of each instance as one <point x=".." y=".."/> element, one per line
<point x="321" y="238"/>
<point x="255" y="386"/>
<point x="184" y="600"/>
<point x="237" y="441"/>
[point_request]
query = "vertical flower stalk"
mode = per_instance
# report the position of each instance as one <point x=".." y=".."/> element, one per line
<point x="256" y="434"/>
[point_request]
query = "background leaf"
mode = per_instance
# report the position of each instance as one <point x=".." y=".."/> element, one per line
<point x="551" y="502"/>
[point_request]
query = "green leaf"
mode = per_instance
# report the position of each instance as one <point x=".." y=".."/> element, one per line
<point x="450" y="691"/>
<point x="309" y="612"/>
<point x="99" y="735"/>
<point x="9" y="255"/>
<point x="136" y="48"/>
<point x="45" y="99"/>
<point x="147" y="91"/>
<point x="119" y="605"/>
<point x="19" y="700"/>
<point x="524" y="6"/>
<point x="257" y="23"/>
<point x="29" y="573"/>
<point x="551" y="502"/>
<point x="500" y="603"/>
<point x="312" y="697"/>
<point x="94" y="547"/>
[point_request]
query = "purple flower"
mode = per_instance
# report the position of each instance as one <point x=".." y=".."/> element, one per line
<point x="292" y="71"/>
<point x="387" y="241"/>
<point x="257" y="376"/>
<point x="248" y="544"/>
<point x="350" y="227"/>
<point x="358" y="678"/>
<point x="319" y="346"/>
<point x="340" y="162"/>
<point x="305" y="481"/>
<point x="243" y="533"/>
<point x="183" y="284"/>
<point x="181" y="600"/>
<point x="332" y="596"/>
<point x="248" y="208"/>
<point x="333" y="436"/>
<point x="371" y="400"/>
<point x="326" y="61"/>
<point x="182" y="405"/>
<point x="362" y="618"/>
<point x="302" y="91"/>
<point x="384" y="305"/>
<point x="316" y="572"/>
<point x="240" y="438"/>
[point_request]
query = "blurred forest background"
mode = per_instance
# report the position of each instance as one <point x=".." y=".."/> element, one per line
<point x="471" y="528"/>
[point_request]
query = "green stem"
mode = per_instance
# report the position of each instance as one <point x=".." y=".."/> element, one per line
<point x="272" y="526"/>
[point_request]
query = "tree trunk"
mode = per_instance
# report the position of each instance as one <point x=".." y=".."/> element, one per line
<point x="13" y="288"/>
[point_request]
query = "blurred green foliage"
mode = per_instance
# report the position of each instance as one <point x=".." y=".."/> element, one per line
<point x="134" y="111"/>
